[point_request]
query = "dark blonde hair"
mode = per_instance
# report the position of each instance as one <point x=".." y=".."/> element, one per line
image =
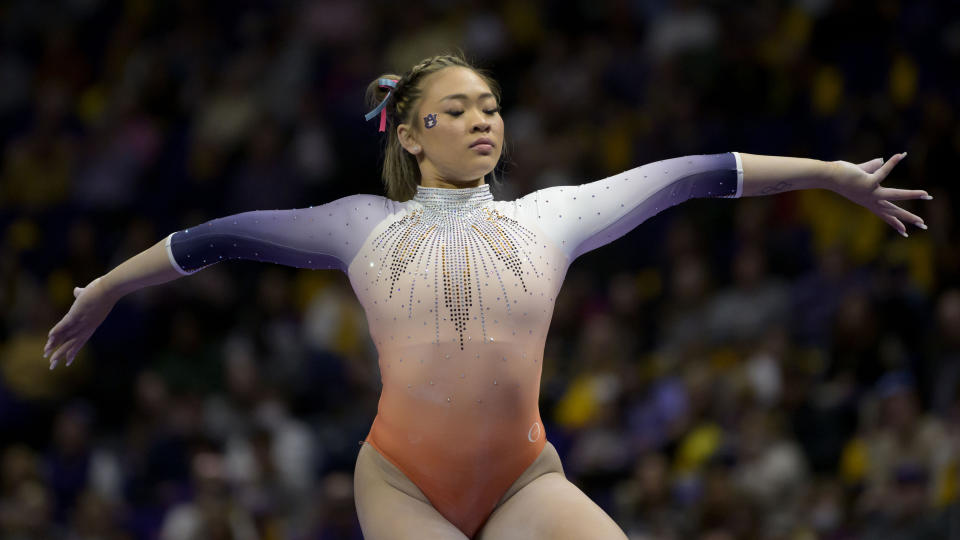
<point x="401" y="174"/>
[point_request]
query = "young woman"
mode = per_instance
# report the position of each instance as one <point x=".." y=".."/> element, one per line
<point x="459" y="289"/>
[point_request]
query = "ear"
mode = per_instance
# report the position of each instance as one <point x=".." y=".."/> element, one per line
<point x="408" y="139"/>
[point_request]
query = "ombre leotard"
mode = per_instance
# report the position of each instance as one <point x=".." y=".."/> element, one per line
<point x="459" y="290"/>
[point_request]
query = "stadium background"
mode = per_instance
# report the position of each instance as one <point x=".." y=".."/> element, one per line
<point x="773" y="367"/>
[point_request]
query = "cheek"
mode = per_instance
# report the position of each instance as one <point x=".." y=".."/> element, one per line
<point x="443" y="137"/>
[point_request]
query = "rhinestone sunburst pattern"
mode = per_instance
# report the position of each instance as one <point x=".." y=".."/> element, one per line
<point x="458" y="243"/>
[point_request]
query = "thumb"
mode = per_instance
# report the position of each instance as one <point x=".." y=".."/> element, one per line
<point x="76" y="292"/>
<point x="872" y="165"/>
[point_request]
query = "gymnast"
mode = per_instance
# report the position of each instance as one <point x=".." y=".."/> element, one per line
<point x="459" y="290"/>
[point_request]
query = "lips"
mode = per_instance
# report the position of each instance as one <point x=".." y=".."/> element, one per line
<point x="482" y="140"/>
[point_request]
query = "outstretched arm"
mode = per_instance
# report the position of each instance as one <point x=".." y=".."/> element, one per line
<point x="325" y="236"/>
<point x="584" y="217"/>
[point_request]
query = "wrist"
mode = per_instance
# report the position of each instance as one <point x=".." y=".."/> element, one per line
<point x="829" y="177"/>
<point x="108" y="287"/>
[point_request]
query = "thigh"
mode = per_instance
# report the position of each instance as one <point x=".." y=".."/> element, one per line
<point x="390" y="506"/>
<point x="550" y="507"/>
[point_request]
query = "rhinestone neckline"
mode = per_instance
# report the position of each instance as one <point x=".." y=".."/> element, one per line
<point x="453" y="198"/>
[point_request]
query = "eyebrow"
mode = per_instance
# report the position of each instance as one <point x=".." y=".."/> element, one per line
<point x="464" y="96"/>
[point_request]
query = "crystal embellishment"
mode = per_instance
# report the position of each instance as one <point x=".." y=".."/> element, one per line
<point x="457" y="233"/>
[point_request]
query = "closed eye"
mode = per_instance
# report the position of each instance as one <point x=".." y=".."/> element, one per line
<point x="490" y="112"/>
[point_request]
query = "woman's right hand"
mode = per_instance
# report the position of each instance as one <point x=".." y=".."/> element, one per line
<point x="90" y="307"/>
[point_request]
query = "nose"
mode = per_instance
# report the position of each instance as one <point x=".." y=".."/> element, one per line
<point x="480" y="123"/>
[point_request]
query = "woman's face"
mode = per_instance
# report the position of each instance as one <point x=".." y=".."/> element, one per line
<point x="456" y="110"/>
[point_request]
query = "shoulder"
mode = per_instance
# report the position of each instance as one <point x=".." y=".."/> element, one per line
<point x="365" y="206"/>
<point x="541" y="202"/>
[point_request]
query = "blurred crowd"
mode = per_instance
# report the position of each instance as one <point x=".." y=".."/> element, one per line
<point x="781" y="367"/>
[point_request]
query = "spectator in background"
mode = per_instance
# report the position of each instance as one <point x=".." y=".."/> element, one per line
<point x="644" y="502"/>
<point x="816" y="296"/>
<point x="908" y="450"/>
<point x="74" y="465"/>
<point x="824" y="511"/>
<point x="212" y="512"/>
<point x="95" y="518"/>
<point x="770" y="471"/>
<point x="906" y="512"/>
<point x="945" y="353"/>
<point x="334" y="514"/>
<point x="37" y="166"/>
<point x="28" y="514"/>
<point x="686" y="310"/>
<point x="755" y="303"/>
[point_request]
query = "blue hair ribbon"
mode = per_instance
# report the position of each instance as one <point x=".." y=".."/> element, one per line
<point x="384" y="83"/>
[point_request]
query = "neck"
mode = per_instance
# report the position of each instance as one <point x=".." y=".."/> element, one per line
<point x="461" y="198"/>
<point x="441" y="183"/>
<point x="431" y="177"/>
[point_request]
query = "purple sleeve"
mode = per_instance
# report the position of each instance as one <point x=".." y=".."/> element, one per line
<point x="325" y="236"/>
<point x="585" y="217"/>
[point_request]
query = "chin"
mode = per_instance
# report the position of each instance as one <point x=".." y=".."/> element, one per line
<point x="471" y="175"/>
<point x="481" y="174"/>
<point x="481" y="170"/>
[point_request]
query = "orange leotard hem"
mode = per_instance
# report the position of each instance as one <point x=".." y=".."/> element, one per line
<point x="387" y="457"/>
<point x="469" y="518"/>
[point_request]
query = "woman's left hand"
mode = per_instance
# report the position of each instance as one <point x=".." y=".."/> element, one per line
<point x="861" y="184"/>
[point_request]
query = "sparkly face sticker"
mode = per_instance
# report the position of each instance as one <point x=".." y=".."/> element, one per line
<point x="430" y="120"/>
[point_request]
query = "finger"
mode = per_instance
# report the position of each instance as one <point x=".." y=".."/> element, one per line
<point x="872" y="165"/>
<point x="73" y="355"/>
<point x="52" y="343"/>
<point x="57" y="355"/>
<point x="56" y="329"/>
<point x="65" y="353"/>
<point x="76" y="292"/>
<point x="62" y="337"/>
<point x="894" y="194"/>
<point x="895" y="223"/>
<point x="885" y="169"/>
<point x="63" y="327"/>
<point x="902" y="214"/>
<point x="61" y="352"/>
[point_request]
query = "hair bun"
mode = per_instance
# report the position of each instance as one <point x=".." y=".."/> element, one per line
<point x="375" y="93"/>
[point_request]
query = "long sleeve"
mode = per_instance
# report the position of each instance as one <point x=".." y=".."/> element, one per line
<point x="582" y="218"/>
<point x="325" y="236"/>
